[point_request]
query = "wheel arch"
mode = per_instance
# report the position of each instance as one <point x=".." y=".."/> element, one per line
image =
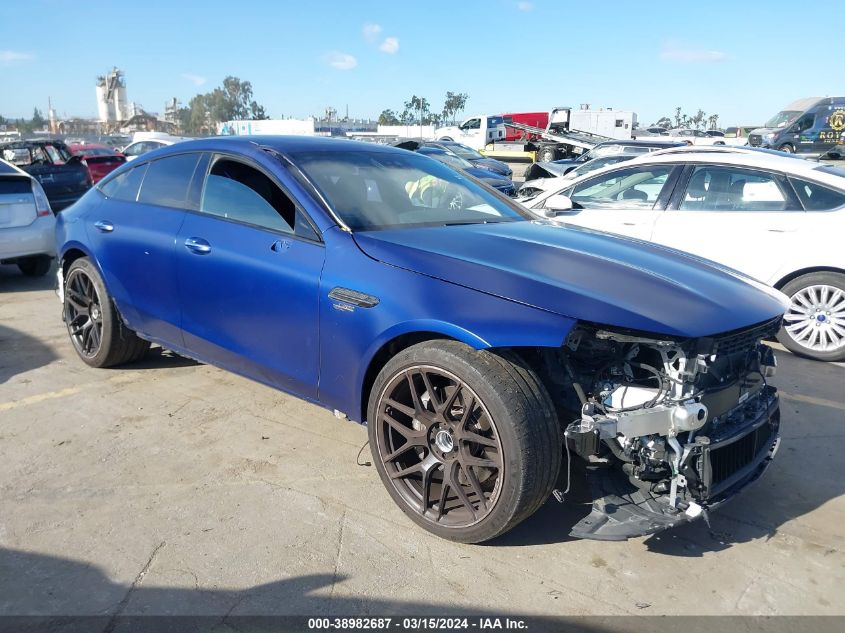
<point x="806" y="271"/>
<point x="402" y="336"/>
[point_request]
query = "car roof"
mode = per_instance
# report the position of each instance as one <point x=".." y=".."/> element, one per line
<point x="744" y="158"/>
<point x="283" y="144"/>
<point x="642" y="143"/>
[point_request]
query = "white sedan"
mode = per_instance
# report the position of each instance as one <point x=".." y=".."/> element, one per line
<point x="773" y="217"/>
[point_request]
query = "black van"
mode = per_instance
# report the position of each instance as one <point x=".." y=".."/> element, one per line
<point x="810" y="126"/>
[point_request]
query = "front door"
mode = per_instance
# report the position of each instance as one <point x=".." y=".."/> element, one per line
<point x="248" y="270"/>
<point x="625" y="201"/>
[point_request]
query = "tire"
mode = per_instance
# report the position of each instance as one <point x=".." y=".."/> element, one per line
<point x="817" y="302"/>
<point x="547" y="154"/>
<point x="487" y="434"/>
<point x="789" y="148"/>
<point x="36" y="266"/>
<point x="445" y="138"/>
<point x="96" y="330"/>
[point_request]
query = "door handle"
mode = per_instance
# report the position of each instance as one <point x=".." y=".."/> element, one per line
<point x="280" y="246"/>
<point x="198" y="245"/>
<point x="104" y="226"/>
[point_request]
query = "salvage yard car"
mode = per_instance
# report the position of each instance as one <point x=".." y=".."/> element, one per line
<point x="63" y="176"/>
<point x="27" y="225"/>
<point x="478" y="345"/>
<point x="769" y="215"/>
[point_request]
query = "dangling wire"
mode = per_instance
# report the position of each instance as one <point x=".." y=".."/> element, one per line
<point x="358" y="458"/>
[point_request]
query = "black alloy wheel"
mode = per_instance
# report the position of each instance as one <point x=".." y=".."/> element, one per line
<point x="96" y="329"/>
<point x="83" y="313"/>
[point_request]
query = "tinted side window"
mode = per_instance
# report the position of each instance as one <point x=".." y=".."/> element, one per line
<point x="239" y="192"/>
<point x="168" y="180"/>
<point x="733" y="189"/>
<point x="814" y="197"/>
<point x="126" y="185"/>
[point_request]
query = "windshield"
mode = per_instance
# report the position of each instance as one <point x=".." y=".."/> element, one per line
<point x="463" y="151"/>
<point x="376" y="190"/>
<point x="453" y="161"/>
<point x="782" y="119"/>
<point x="597" y="163"/>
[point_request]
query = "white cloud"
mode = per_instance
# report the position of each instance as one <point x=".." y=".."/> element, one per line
<point x="525" y="6"/>
<point x="10" y="58"/>
<point x="390" y="45"/>
<point x="675" y="52"/>
<point x="197" y="80"/>
<point x="340" y="61"/>
<point x="371" y="31"/>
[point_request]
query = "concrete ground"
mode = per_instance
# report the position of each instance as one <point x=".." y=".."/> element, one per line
<point x="171" y="487"/>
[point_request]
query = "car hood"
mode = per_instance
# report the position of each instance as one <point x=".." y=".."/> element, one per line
<point x="766" y="130"/>
<point x="491" y="164"/>
<point x="488" y="176"/>
<point x="582" y="274"/>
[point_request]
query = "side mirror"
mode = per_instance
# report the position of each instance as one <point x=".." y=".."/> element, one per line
<point x="556" y="204"/>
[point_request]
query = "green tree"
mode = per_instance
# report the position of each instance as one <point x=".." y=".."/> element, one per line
<point x="455" y="102"/>
<point x="388" y="117"/>
<point x="416" y="104"/>
<point x="663" y="121"/>
<point x="38" y="121"/>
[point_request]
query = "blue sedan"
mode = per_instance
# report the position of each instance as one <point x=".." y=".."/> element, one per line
<point x="491" y="356"/>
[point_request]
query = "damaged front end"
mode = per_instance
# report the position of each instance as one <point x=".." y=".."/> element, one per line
<point x="668" y="428"/>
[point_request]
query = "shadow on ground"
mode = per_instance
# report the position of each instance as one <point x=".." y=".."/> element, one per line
<point x="47" y="593"/>
<point x="11" y="280"/>
<point x="21" y="352"/>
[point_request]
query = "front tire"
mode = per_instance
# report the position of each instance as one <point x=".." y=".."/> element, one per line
<point x="35" y="266"/>
<point x="98" y="335"/>
<point x="465" y="441"/>
<point x="814" y="324"/>
<point x="788" y="148"/>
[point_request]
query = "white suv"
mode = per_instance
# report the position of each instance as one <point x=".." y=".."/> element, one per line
<point x="773" y="217"/>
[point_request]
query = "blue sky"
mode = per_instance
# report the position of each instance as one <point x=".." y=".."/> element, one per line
<point x="728" y="57"/>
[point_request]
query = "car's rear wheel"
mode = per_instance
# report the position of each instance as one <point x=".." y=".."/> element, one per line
<point x="96" y="330"/>
<point x="814" y="324"/>
<point x="789" y="148"/>
<point x="465" y="441"/>
<point x="36" y="266"/>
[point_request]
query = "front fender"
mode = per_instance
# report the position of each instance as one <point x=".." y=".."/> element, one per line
<point x="409" y="303"/>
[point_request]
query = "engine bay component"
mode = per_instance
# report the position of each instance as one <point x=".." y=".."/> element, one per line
<point x="672" y="424"/>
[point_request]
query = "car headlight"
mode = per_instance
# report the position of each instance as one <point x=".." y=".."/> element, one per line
<point x="769" y="135"/>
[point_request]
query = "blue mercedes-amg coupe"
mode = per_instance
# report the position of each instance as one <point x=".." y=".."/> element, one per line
<point x="484" y="350"/>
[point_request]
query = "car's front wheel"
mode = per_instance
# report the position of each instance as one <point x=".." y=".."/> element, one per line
<point x="96" y="331"/>
<point x="465" y="441"/>
<point x="814" y="324"/>
<point x="789" y="148"/>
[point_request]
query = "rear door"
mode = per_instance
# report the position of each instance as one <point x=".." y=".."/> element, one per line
<point x="133" y="234"/>
<point x="248" y="270"/>
<point x="626" y="201"/>
<point x="743" y="218"/>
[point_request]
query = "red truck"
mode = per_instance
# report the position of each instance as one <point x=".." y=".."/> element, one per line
<point x="534" y="119"/>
